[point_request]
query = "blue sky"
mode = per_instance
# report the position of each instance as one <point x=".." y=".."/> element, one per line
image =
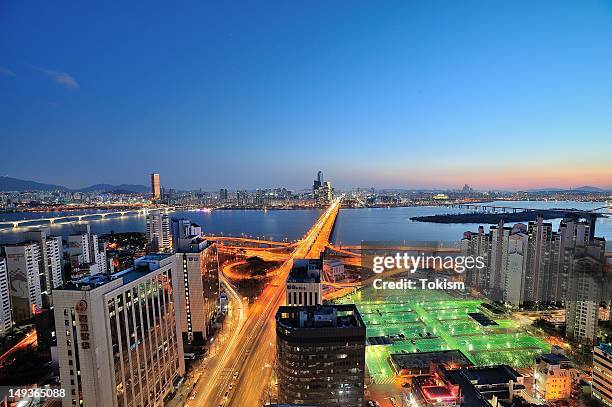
<point x="251" y="94"/>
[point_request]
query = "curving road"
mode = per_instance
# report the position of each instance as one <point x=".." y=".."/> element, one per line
<point x="243" y="372"/>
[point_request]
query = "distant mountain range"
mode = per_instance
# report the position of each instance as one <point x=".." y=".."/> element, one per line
<point x="585" y="188"/>
<point x="15" y="184"/>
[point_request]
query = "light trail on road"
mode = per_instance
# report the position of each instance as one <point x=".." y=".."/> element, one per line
<point x="252" y="347"/>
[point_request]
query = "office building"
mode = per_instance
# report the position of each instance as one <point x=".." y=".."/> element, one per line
<point x="602" y="373"/>
<point x="22" y="264"/>
<point x="552" y="377"/>
<point x="321" y="355"/>
<point x="158" y="231"/>
<point x="6" y="319"/>
<point x="198" y="276"/>
<point x="155" y="187"/>
<point x="118" y="340"/>
<point x="304" y="283"/>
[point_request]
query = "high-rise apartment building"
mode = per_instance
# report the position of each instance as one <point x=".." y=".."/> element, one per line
<point x="50" y="262"/>
<point x="498" y="259"/>
<point x="6" y="319"/>
<point x="540" y="261"/>
<point x="535" y="265"/>
<point x="155" y="187"/>
<point x="22" y="263"/>
<point x="321" y="355"/>
<point x="158" y="231"/>
<point x="515" y="268"/>
<point x="602" y="373"/>
<point x="198" y="276"/>
<point x="85" y="250"/>
<point x="303" y="286"/>
<point x="585" y="290"/>
<point x="118" y="338"/>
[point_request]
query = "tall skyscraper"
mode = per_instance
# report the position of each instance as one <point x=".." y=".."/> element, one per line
<point x="321" y="355"/>
<point x="155" y="187"/>
<point x="602" y="373"/>
<point x="158" y="231"/>
<point x="304" y="283"/>
<point x="198" y="271"/>
<point x="118" y="338"/>
<point x="6" y="319"/>
<point x="22" y="263"/>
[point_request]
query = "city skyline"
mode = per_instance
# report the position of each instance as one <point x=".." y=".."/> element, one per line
<point x="406" y="96"/>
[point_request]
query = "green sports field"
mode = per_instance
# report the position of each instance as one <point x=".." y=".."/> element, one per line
<point x="425" y="321"/>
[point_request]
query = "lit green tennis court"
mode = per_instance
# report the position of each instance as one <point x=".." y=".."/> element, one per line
<point x="425" y="321"/>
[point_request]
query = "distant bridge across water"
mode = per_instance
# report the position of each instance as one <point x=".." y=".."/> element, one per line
<point x="69" y="219"/>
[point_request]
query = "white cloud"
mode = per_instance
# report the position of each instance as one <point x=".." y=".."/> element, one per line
<point x="62" y="78"/>
<point x="6" y="71"/>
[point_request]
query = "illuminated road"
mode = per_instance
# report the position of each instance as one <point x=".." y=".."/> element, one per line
<point x="250" y="352"/>
<point x="29" y="340"/>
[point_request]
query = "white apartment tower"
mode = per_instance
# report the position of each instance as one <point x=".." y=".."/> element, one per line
<point x="6" y="320"/>
<point x="50" y="263"/>
<point x="158" y="231"/>
<point x="84" y="248"/>
<point x="118" y="339"/>
<point x="516" y="268"/>
<point x="22" y="264"/>
<point x="198" y="271"/>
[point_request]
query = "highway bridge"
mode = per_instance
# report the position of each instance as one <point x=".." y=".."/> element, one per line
<point x="250" y="353"/>
<point x="68" y="219"/>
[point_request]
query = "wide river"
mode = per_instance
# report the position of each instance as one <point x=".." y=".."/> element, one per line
<point x="352" y="226"/>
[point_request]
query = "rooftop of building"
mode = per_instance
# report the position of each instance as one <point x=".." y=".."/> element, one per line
<point x="305" y="271"/>
<point x="490" y="375"/>
<point x="605" y="347"/>
<point x="320" y="316"/>
<point x="422" y="360"/>
<point x="553" y="358"/>
<point x="142" y="266"/>
<point x="434" y="389"/>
